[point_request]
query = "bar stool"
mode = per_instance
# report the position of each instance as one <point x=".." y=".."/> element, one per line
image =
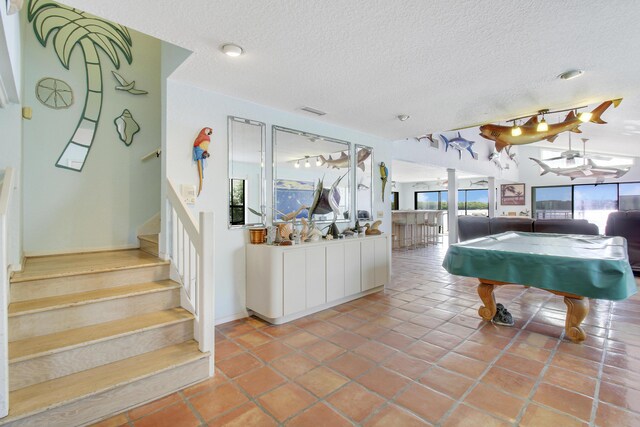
<point x="399" y="221"/>
<point x="410" y="230"/>
<point x="432" y="227"/>
<point x="420" y="233"/>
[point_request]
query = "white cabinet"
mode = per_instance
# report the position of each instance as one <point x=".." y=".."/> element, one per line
<point x="352" y="270"/>
<point x="288" y="282"/>
<point x="368" y="264"/>
<point x="295" y="295"/>
<point x="380" y="263"/>
<point x="335" y="268"/>
<point x="316" y="282"/>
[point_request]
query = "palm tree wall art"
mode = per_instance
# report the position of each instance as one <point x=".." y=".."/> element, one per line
<point x="72" y="28"/>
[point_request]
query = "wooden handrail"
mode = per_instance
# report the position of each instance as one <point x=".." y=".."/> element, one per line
<point x="155" y="152"/>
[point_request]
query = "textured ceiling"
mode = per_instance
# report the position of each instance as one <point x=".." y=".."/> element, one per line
<point x="448" y="64"/>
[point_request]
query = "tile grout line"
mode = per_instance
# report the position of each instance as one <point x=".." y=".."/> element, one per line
<point x="490" y="365"/>
<point x="541" y="375"/>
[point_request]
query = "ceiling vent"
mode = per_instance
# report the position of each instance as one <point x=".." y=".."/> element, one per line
<point x="313" y="111"/>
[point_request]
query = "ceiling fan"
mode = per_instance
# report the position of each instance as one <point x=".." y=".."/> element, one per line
<point x="570" y="155"/>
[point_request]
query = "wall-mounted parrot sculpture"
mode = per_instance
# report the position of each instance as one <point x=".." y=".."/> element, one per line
<point x="384" y="175"/>
<point x="201" y="152"/>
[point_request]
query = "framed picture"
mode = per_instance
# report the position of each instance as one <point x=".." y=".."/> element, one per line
<point x="512" y="194"/>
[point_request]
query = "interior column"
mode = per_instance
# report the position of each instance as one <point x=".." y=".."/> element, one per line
<point x="452" y="205"/>
<point x="491" y="186"/>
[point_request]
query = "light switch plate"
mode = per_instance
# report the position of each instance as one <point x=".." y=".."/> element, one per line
<point x="188" y="194"/>
<point x="380" y="214"/>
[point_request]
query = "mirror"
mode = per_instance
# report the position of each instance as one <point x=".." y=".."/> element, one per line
<point x="246" y="140"/>
<point x="300" y="161"/>
<point x="364" y="182"/>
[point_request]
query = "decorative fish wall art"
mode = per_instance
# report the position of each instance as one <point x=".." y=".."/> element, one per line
<point x="503" y="138"/>
<point x="343" y="161"/>
<point x="495" y="158"/>
<point x="459" y="143"/>
<point x="587" y="170"/>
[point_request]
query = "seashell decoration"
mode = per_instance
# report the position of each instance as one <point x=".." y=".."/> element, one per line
<point x="127" y="127"/>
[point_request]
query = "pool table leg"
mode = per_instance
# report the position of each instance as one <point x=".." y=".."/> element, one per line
<point x="577" y="310"/>
<point x="485" y="290"/>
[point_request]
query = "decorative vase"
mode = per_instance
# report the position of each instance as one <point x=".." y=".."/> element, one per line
<point x="256" y="235"/>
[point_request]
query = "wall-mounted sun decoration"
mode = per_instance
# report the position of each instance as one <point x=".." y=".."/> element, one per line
<point x="54" y="93"/>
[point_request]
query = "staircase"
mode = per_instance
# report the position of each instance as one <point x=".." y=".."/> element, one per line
<point x="149" y="244"/>
<point x="93" y="334"/>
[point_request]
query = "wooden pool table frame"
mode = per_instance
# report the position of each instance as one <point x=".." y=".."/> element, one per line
<point x="577" y="308"/>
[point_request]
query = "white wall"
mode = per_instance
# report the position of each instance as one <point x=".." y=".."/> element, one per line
<point x="101" y="206"/>
<point x="188" y="110"/>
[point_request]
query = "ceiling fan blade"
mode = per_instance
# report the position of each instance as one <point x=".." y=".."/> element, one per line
<point x="553" y="158"/>
<point x="596" y="157"/>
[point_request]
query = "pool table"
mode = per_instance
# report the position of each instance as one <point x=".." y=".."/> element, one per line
<point x="576" y="267"/>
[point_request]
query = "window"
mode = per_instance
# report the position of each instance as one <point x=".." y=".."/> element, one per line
<point x="595" y="202"/>
<point x="629" y="196"/>
<point x="427" y="200"/>
<point x="470" y="202"/>
<point x="552" y="202"/>
<point x="236" y="204"/>
<point x="476" y="202"/>
<point x="585" y="201"/>
<point x="395" y="200"/>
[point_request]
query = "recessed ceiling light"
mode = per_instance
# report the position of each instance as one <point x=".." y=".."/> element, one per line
<point x="571" y="74"/>
<point x="232" y="49"/>
<point x="403" y="117"/>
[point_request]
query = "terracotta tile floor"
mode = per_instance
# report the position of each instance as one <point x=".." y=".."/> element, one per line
<point x="418" y="354"/>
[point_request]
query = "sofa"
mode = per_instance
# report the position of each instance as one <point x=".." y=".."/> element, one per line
<point x="472" y="227"/>
<point x="627" y="225"/>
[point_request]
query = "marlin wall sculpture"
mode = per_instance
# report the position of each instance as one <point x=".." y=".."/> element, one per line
<point x="502" y="134"/>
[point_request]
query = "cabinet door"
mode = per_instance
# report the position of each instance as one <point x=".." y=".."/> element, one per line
<point x="335" y="271"/>
<point x="352" y="268"/>
<point x="316" y="276"/>
<point x="368" y="264"/>
<point x="294" y="281"/>
<point x="382" y="264"/>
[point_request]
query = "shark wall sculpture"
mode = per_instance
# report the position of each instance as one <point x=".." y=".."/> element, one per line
<point x="343" y="161"/>
<point x="587" y="170"/>
<point x="502" y="134"/>
<point x="495" y="158"/>
<point x="459" y="143"/>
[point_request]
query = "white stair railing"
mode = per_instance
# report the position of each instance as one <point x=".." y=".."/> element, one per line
<point x="6" y="187"/>
<point x="189" y="246"/>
